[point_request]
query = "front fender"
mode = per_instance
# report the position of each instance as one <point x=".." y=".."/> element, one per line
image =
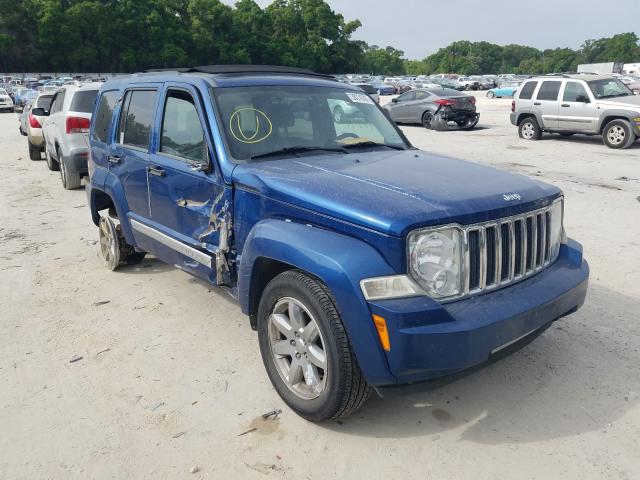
<point x="340" y="262"/>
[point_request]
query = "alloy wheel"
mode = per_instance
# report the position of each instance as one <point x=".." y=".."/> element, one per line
<point x="528" y="131"/>
<point x="109" y="245"/>
<point x="616" y="135"/>
<point x="297" y="348"/>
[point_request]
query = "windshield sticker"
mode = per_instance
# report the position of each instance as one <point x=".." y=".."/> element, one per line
<point x="250" y="125"/>
<point x="359" y="98"/>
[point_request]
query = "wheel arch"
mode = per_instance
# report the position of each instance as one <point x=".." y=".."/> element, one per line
<point x="274" y="246"/>
<point x="610" y="116"/>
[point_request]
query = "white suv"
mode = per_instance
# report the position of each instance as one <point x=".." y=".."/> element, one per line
<point x="569" y="104"/>
<point x="65" y="129"/>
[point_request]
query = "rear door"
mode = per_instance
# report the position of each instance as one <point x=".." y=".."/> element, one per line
<point x="186" y="196"/>
<point x="578" y="112"/>
<point x="546" y="103"/>
<point x="128" y="156"/>
<point x="51" y="123"/>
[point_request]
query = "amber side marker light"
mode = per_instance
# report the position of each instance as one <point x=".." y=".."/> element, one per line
<point x="383" y="333"/>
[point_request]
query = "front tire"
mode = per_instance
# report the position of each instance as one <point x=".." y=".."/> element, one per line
<point x="491" y="94"/>
<point x="529" y="129"/>
<point x="618" y="134"/>
<point x="70" y="180"/>
<point x="306" y="351"/>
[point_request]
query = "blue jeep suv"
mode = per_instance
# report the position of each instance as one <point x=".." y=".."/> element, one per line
<point x="362" y="262"/>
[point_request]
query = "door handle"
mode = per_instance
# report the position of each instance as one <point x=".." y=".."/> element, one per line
<point x="565" y="105"/>
<point x="157" y="171"/>
<point x="537" y="103"/>
<point x="114" y="159"/>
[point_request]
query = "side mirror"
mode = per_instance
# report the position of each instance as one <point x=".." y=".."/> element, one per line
<point x="40" y="112"/>
<point x="394" y="100"/>
<point x="583" y="99"/>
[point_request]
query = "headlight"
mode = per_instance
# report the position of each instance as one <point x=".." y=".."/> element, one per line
<point x="435" y="260"/>
<point x="555" y="228"/>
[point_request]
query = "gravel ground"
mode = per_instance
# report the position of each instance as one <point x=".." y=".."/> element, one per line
<point x="171" y="375"/>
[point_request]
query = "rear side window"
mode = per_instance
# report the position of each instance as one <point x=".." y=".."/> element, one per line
<point x="44" y="101"/>
<point x="137" y="117"/>
<point x="104" y="114"/>
<point x="83" y="101"/>
<point x="527" y="90"/>
<point x="182" y="134"/>
<point x="58" y="101"/>
<point x="549" y="90"/>
<point x="574" y="90"/>
<point x="370" y="89"/>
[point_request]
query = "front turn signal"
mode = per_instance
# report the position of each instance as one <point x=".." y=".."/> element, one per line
<point x="383" y="332"/>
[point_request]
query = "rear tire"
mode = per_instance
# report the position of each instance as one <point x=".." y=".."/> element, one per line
<point x="529" y="129"/>
<point x="34" y="152"/>
<point x="618" y="134"/>
<point x="70" y="180"/>
<point x="51" y="163"/>
<point x="299" y="326"/>
<point x="427" y="120"/>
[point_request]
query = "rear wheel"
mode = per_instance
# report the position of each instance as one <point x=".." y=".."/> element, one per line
<point x="427" y="120"/>
<point x="70" y="180"/>
<point x="618" y="134"/>
<point x="34" y="152"/>
<point x="113" y="247"/>
<point x="51" y="163"/>
<point x="529" y="129"/>
<point x="306" y="351"/>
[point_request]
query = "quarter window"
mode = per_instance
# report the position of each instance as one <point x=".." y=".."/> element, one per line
<point x="137" y="117"/>
<point x="549" y="90"/>
<point x="527" y="90"/>
<point x="182" y="133"/>
<point x="572" y="91"/>
<point x="104" y="114"/>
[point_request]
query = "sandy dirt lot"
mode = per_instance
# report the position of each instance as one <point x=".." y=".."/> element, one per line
<point x="171" y="375"/>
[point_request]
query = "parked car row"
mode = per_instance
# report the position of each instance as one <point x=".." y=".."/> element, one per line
<point x="57" y="124"/>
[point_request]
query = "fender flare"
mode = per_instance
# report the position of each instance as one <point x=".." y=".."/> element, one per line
<point x="617" y="113"/>
<point x="340" y="262"/>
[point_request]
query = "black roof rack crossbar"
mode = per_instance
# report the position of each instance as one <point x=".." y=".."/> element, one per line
<point x="240" y="69"/>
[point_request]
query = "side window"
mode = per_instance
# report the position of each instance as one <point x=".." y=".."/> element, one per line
<point x="182" y="133"/>
<point x="407" y="97"/>
<point x="56" y="103"/>
<point x="549" y="90"/>
<point x="103" y="115"/>
<point x="136" y="118"/>
<point x="527" y="90"/>
<point x="574" y="91"/>
<point x="420" y="95"/>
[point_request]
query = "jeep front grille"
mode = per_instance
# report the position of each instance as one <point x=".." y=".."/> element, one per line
<point x="507" y="250"/>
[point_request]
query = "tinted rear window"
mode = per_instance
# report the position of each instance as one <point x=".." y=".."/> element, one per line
<point x="104" y="114"/>
<point x="549" y="90"/>
<point x="448" y="92"/>
<point x="44" y="101"/>
<point x="527" y="90"/>
<point x="368" y="88"/>
<point x="83" y="101"/>
<point x="137" y="123"/>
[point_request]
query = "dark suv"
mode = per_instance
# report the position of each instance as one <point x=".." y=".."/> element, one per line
<point x="362" y="262"/>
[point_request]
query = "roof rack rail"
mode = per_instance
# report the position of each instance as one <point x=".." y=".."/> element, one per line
<point x="242" y="69"/>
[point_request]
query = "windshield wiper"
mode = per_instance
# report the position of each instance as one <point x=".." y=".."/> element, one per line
<point x="291" y="150"/>
<point x="372" y="144"/>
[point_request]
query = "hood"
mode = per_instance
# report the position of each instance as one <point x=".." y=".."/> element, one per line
<point x="629" y="100"/>
<point x="393" y="192"/>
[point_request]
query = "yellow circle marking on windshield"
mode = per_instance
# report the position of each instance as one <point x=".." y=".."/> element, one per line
<point x="237" y="132"/>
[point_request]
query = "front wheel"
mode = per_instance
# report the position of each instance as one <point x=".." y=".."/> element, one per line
<point x="618" y="134"/>
<point x="306" y="351"/>
<point x="491" y="94"/>
<point x="529" y="129"/>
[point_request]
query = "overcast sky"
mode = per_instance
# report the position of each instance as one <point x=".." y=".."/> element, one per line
<point x="420" y="27"/>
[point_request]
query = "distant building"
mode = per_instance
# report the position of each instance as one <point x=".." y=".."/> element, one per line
<point x="601" y="68"/>
<point x="632" y="68"/>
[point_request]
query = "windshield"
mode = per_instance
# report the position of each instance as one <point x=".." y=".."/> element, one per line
<point x="608" y="88"/>
<point x="295" y="120"/>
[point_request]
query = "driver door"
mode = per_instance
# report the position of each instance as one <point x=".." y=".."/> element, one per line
<point x="578" y="112"/>
<point x="399" y="109"/>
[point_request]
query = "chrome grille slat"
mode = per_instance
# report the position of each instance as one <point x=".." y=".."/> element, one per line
<point x="532" y="231"/>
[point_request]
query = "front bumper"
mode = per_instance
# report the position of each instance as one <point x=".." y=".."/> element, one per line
<point x="430" y="340"/>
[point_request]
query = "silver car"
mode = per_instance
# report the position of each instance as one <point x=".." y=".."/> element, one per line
<point x="65" y="130"/>
<point x="32" y="128"/>
<point x="570" y="104"/>
<point x="438" y="109"/>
